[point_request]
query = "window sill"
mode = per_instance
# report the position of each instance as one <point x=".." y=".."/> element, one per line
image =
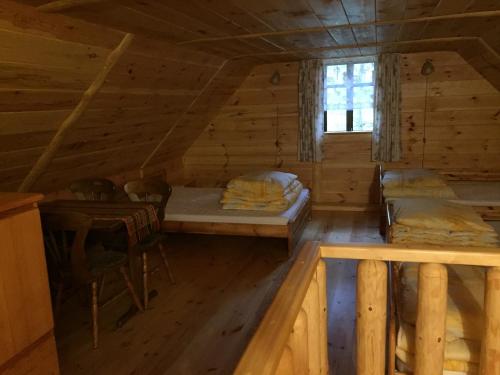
<point x="341" y="133"/>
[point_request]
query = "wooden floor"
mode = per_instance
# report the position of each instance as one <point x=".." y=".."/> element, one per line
<point x="202" y="324"/>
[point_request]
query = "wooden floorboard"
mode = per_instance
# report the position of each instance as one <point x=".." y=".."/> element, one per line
<point x="202" y="324"/>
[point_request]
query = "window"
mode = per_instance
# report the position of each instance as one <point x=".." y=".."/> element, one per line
<point x="349" y="91"/>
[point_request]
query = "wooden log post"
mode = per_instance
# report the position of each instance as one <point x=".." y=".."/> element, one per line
<point x="490" y="347"/>
<point x="430" y="337"/>
<point x="44" y="160"/>
<point x="371" y="310"/>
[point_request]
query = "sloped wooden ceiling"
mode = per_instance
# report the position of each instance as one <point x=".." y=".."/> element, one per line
<point x="152" y="104"/>
<point x="287" y="30"/>
<point x="185" y="59"/>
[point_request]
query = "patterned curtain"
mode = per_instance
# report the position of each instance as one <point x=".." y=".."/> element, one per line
<point x="311" y="116"/>
<point x="386" y="136"/>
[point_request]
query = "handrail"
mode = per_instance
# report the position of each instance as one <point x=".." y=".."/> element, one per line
<point x="263" y="354"/>
<point x="291" y="339"/>
<point x="476" y="256"/>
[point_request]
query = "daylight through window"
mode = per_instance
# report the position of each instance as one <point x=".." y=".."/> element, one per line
<point x="349" y="92"/>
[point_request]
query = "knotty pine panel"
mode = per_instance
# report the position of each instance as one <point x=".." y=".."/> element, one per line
<point x="455" y="109"/>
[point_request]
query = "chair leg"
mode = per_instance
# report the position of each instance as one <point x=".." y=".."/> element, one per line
<point x="165" y="263"/>
<point x="95" y="308"/>
<point x="59" y="295"/>
<point x="145" y="279"/>
<point x="131" y="289"/>
<point x="101" y="287"/>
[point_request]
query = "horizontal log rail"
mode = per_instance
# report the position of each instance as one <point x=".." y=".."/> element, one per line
<point x="292" y="337"/>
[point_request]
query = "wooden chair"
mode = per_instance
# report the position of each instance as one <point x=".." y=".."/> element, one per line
<point x="94" y="189"/>
<point x="68" y="260"/>
<point x="157" y="193"/>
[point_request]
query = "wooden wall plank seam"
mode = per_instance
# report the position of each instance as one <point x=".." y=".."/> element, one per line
<point x="44" y="160"/>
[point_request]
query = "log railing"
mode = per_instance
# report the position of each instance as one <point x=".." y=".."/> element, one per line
<point x="291" y="338"/>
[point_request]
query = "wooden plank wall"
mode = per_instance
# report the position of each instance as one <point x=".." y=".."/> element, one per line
<point x="258" y="129"/>
<point x="47" y="61"/>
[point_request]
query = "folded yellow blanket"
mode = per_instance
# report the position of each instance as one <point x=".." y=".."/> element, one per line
<point x="450" y="366"/>
<point x="444" y="192"/>
<point x="231" y="195"/>
<point x="262" y="184"/>
<point x="429" y="213"/>
<point x="456" y="349"/>
<point x="276" y="205"/>
<point x="464" y="317"/>
<point x="412" y="178"/>
<point x="410" y="235"/>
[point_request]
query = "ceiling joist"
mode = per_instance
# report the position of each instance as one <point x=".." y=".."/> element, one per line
<point x="495" y="13"/>
<point x="60" y="5"/>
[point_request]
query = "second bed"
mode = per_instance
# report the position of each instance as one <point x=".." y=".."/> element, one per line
<point x="198" y="210"/>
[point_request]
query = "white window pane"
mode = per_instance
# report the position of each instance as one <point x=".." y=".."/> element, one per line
<point x="336" y="121"/>
<point x="363" y="73"/>
<point x="336" y="74"/>
<point x="362" y="120"/>
<point x="363" y="97"/>
<point x="335" y="98"/>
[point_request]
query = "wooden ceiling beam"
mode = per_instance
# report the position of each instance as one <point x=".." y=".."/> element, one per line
<point x="363" y="45"/>
<point x="48" y="155"/>
<point x="60" y="5"/>
<point x="493" y="13"/>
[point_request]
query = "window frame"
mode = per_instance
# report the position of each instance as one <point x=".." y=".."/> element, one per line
<point x="349" y="113"/>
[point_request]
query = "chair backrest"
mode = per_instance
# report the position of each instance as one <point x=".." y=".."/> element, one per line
<point x="93" y="189"/>
<point x="64" y="237"/>
<point x="152" y="190"/>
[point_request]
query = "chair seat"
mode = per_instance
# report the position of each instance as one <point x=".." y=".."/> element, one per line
<point x="150" y="241"/>
<point x="105" y="261"/>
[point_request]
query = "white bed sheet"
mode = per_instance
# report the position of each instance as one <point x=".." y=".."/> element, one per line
<point x="480" y="191"/>
<point x="203" y="205"/>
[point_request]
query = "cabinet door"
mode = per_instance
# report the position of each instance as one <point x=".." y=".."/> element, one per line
<point x="25" y="308"/>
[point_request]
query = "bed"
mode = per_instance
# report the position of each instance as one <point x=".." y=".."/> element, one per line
<point x="198" y="210"/>
<point x="479" y="189"/>
<point x="466" y="283"/>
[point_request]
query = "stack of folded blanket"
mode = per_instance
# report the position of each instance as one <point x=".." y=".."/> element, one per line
<point x="265" y="191"/>
<point x="438" y="222"/>
<point x="416" y="183"/>
<point x="464" y="319"/>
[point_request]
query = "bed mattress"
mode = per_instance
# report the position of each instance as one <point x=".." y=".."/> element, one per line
<point x="202" y="205"/>
<point x="477" y="191"/>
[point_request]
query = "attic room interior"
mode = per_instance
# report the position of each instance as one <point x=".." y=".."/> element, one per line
<point x="250" y="187"/>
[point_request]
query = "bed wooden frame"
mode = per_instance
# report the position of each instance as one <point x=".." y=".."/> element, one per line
<point x="395" y="282"/>
<point x="291" y="231"/>
<point x="489" y="210"/>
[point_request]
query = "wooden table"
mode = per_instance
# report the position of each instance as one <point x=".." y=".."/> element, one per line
<point x="138" y="219"/>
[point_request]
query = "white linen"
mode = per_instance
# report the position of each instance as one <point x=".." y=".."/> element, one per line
<point x="482" y="191"/>
<point x="203" y="205"/>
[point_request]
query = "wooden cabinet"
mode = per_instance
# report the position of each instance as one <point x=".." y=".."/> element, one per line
<point x="26" y="327"/>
